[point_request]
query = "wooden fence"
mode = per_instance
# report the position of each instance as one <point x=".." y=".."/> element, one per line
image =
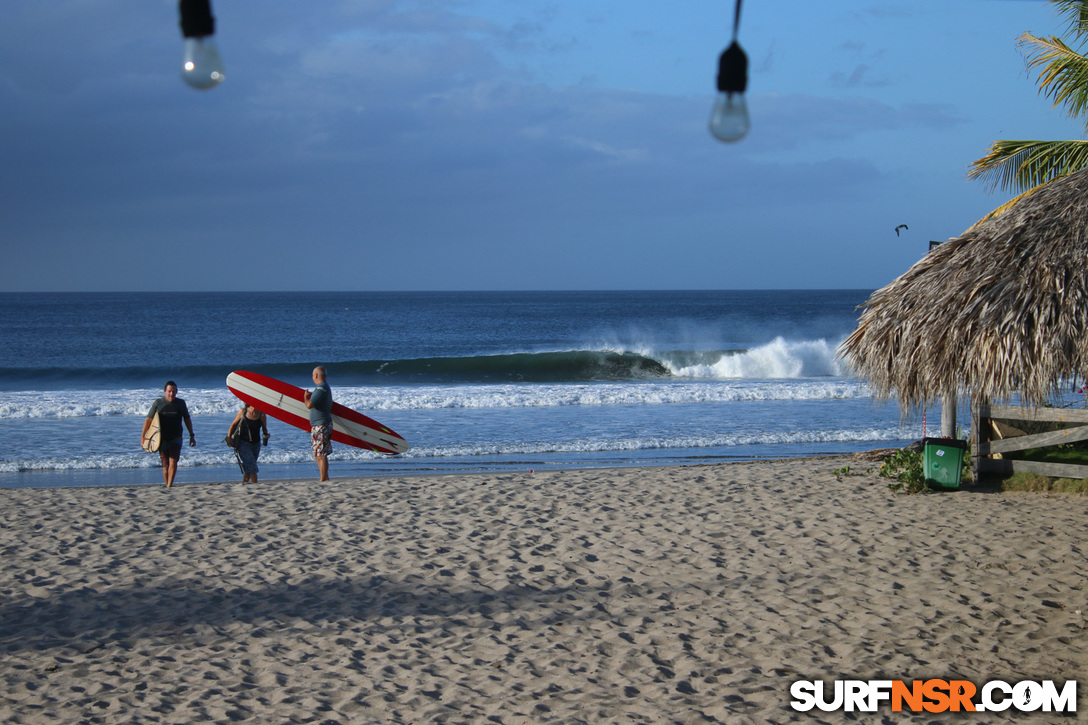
<point x="998" y="430"/>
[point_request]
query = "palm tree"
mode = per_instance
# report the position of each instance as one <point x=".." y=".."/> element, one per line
<point x="1025" y="166"/>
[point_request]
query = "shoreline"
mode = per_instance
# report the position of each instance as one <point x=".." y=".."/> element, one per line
<point x="210" y="473"/>
<point x="683" y="593"/>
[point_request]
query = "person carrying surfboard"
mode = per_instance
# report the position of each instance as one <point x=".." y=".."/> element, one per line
<point x="172" y="412"/>
<point x="319" y="403"/>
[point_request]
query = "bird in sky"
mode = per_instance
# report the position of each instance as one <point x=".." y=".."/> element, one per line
<point x="901" y="226"/>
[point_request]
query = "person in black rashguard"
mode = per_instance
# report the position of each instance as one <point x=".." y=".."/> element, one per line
<point x="172" y="414"/>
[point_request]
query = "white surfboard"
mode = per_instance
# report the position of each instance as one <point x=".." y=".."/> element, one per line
<point x="153" y="437"/>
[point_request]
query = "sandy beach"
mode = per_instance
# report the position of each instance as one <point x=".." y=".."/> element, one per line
<point x="685" y="594"/>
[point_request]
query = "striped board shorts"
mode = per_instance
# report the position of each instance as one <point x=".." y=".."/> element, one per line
<point x="321" y="439"/>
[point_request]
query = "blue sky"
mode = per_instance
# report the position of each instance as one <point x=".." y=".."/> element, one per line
<point x="492" y="144"/>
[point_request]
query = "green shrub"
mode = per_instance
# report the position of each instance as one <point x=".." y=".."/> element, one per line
<point x="905" y="467"/>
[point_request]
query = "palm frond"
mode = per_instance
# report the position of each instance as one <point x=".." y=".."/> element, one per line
<point x="1021" y="165"/>
<point x="1064" y="72"/>
<point x="1076" y="14"/>
<point x="1000" y="167"/>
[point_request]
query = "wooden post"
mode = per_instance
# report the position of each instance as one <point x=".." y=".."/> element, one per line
<point x="980" y="412"/>
<point x="948" y="415"/>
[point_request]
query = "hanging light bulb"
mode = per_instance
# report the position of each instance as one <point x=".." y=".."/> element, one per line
<point x="729" y="120"/>
<point x="201" y="66"/>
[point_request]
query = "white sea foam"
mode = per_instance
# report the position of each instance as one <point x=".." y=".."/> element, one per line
<point x="595" y="394"/>
<point x="213" y="455"/>
<point x="778" y="359"/>
<point x="98" y="403"/>
<point x="662" y="443"/>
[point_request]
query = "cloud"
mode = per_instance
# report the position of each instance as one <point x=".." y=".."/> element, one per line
<point x="388" y="129"/>
<point x="798" y="120"/>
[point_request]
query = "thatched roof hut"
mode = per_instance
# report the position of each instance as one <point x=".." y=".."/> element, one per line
<point x="1001" y="309"/>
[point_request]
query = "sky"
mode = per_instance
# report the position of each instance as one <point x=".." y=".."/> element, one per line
<point x="378" y="145"/>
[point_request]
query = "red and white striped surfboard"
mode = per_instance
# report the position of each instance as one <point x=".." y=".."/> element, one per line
<point x="284" y="401"/>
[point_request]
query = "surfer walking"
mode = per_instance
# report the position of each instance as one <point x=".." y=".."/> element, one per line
<point x="319" y="403"/>
<point x="172" y="412"/>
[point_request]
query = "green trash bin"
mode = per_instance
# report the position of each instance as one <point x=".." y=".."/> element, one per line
<point x="942" y="459"/>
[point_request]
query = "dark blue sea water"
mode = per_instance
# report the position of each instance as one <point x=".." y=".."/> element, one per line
<point x="474" y="381"/>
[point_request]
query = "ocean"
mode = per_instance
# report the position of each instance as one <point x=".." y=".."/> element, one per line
<point x="476" y="381"/>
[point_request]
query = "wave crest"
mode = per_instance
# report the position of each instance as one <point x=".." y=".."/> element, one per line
<point x="777" y="359"/>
